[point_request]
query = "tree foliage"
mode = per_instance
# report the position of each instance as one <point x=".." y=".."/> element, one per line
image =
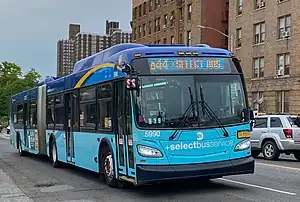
<point x="13" y="81"/>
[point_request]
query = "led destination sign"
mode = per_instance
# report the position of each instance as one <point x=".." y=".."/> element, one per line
<point x="187" y="63"/>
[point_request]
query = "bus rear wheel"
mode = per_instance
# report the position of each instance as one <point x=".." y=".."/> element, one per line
<point x="109" y="170"/>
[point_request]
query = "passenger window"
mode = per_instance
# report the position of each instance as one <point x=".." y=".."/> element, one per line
<point x="59" y="111"/>
<point x="261" y="123"/>
<point x="105" y="107"/>
<point x="276" y="122"/>
<point x="88" y="109"/>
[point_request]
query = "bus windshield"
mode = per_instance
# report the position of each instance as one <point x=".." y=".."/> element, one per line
<point x="162" y="100"/>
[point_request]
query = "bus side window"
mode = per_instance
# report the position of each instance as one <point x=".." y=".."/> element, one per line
<point x="33" y="114"/>
<point x="87" y="111"/>
<point x="50" y="113"/>
<point x="20" y="114"/>
<point x="15" y="119"/>
<point x="59" y="112"/>
<point x="104" y="100"/>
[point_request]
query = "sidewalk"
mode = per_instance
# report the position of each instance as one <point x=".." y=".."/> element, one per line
<point x="9" y="191"/>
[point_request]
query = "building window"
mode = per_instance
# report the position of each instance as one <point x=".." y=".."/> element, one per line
<point x="283" y="64"/>
<point x="240" y="7"/>
<point x="144" y="8"/>
<point x="180" y="38"/>
<point x="134" y="33"/>
<point x="172" y="20"/>
<point x="158" y="27"/>
<point x="239" y="37"/>
<point x="140" y="10"/>
<point x="257" y="100"/>
<point x="284" y="27"/>
<point x="259" y="32"/>
<point x="181" y="13"/>
<point x="189" y="38"/>
<point x="282" y="101"/>
<point x="259" y="4"/>
<point x="150" y="5"/>
<point x="140" y="32"/>
<point x="189" y="11"/>
<point x="144" y="30"/>
<point x="258" y="67"/>
<point x="150" y="27"/>
<point x="165" y="20"/>
<point x="157" y="4"/>
<point x="172" y="39"/>
<point x="165" y="40"/>
<point x="134" y="13"/>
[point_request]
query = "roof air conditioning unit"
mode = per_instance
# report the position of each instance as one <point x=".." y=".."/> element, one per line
<point x="286" y="34"/>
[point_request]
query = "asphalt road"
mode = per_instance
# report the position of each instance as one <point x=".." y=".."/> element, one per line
<point x="37" y="180"/>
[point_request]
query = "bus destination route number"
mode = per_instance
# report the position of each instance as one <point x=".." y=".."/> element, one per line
<point x="210" y="64"/>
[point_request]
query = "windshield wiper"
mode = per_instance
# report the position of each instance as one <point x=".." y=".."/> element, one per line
<point x="185" y="115"/>
<point x="204" y="106"/>
<point x="212" y="113"/>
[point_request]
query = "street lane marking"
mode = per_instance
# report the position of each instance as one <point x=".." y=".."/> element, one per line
<point x="278" y="166"/>
<point x="259" y="187"/>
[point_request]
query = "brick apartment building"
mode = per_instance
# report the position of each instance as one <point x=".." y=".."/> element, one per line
<point x="176" y="21"/>
<point x="80" y="45"/>
<point x="267" y="39"/>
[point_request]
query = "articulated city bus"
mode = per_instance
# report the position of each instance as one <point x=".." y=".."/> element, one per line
<point x="141" y="114"/>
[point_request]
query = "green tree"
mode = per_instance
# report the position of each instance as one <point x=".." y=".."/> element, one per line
<point x="13" y="81"/>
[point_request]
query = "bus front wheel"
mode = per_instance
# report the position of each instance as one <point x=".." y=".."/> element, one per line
<point x="54" y="160"/>
<point x="109" y="169"/>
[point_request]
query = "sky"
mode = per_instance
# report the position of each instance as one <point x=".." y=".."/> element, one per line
<point x="30" y="29"/>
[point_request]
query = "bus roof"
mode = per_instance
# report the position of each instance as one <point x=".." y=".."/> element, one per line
<point x="30" y="94"/>
<point x="127" y="52"/>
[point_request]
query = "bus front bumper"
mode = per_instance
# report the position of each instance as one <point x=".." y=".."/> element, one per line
<point x="147" y="174"/>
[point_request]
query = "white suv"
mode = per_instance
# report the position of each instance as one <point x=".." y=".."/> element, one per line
<point x="273" y="135"/>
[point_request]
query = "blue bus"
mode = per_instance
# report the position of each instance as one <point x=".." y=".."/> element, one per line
<point x="141" y="114"/>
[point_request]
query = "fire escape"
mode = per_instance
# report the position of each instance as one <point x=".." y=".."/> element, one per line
<point x="179" y="20"/>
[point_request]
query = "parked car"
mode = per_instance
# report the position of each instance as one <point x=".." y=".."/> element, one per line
<point x="273" y="135"/>
<point x="8" y="129"/>
<point x="296" y="119"/>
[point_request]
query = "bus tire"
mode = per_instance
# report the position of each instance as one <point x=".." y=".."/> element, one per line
<point x="53" y="155"/>
<point x="109" y="169"/>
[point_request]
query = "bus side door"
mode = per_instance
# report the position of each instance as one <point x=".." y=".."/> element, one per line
<point x="123" y="130"/>
<point x="71" y="124"/>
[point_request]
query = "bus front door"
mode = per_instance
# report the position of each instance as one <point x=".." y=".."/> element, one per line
<point x="123" y="132"/>
<point x="70" y="105"/>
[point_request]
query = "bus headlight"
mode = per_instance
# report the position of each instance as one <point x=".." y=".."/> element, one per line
<point x="148" y="151"/>
<point x="244" y="145"/>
